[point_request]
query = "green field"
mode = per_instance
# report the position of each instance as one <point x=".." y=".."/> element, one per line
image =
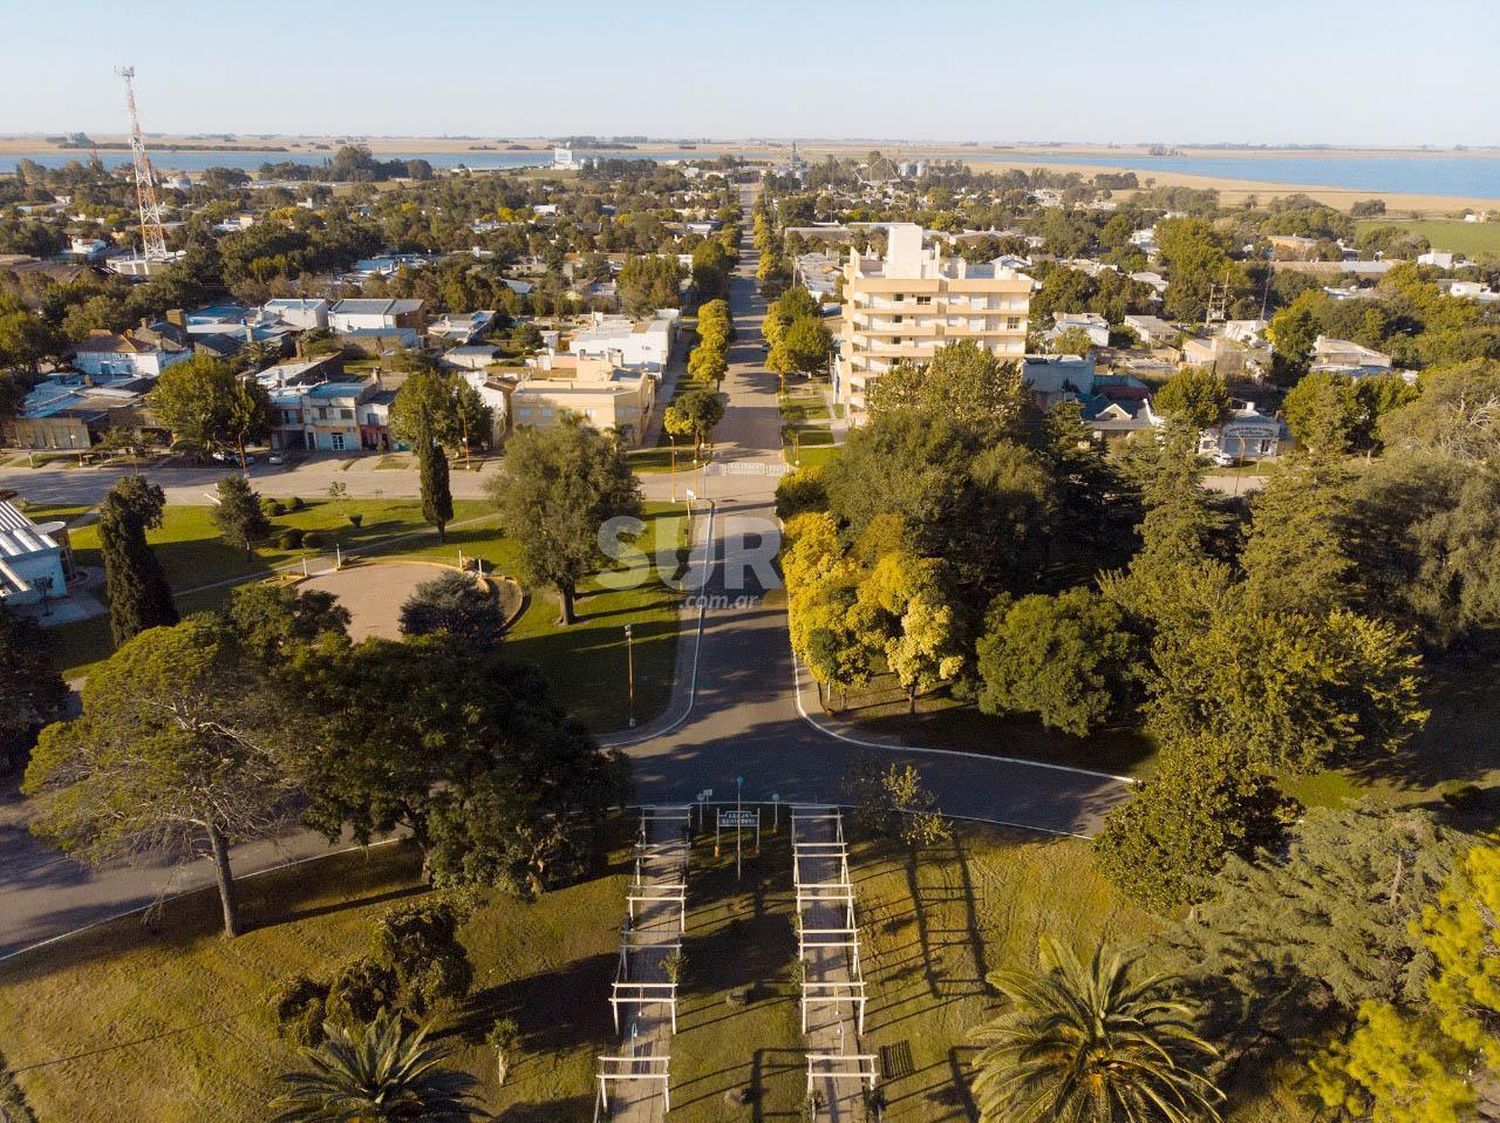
<point x="129" y="1023"/>
<point x="1447" y="235"/>
<point x="587" y="660"/>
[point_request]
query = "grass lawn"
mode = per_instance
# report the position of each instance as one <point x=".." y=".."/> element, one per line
<point x="587" y="660"/>
<point x="659" y="458"/>
<point x="1447" y="235"/>
<point x="133" y="1023"/>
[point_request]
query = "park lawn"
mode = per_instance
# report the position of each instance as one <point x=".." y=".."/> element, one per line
<point x="126" y="1022"/>
<point x="586" y="662"/>
<point x="659" y="458"/>
<point x="170" y="1024"/>
<point x="1447" y="235"/>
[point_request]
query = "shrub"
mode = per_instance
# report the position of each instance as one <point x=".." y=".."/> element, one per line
<point x="801" y="491"/>
<point x="360" y="990"/>
<point x="420" y="945"/>
<point x="294" y="504"/>
<point x="291" y="538"/>
<point x="298" y="1004"/>
<point x="312" y="540"/>
<point x="355" y="520"/>
<point x="273" y="508"/>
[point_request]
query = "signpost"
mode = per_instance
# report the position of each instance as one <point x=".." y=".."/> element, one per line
<point x="738" y="818"/>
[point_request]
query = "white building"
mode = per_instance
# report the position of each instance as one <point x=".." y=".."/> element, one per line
<point x="31" y="558"/>
<point x="1153" y="331"/>
<point x="1247" y="434"/>
<point x="304" y="314"/>
<point x="375" y="315"/>
<point x="1092" y="324"/>
<point x="636" y="346"/>
<point x="131" y="354"/>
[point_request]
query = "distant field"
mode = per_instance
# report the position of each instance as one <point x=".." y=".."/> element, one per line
<point x="1448" y="235"/>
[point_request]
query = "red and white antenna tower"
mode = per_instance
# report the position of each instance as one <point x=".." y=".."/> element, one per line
<point x="153" y="240"/>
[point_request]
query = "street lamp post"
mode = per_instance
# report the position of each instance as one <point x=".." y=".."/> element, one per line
<point x="775" y="813"/>
<point x="672" y="437"/>
<point x="739" y="850"/>
<point x="630" y="671"/>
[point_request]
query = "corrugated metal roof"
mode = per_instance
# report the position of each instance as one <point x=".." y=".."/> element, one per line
<point x="19" y="536"/>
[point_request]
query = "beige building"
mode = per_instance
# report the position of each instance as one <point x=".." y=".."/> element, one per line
<point x="605" y="396"/>
<point x="914" y="301"/>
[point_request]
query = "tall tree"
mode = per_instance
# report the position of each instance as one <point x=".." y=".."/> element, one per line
<point x="1195" y="396"/>
<point x="456" y="605"/>
<point x="180" y="746"/>
<point x="437" y="497"/>
<point x="1297" y="557"/>
<point x="206" y="401"/>
<point x="963" y="382"/>
<point x="560" y="485"/>
<point x="137" y="590"/>
<point x="1097" y="1041"/>
<point x="238" y="514"/>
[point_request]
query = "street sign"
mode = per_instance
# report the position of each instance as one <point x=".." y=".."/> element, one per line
<point x="739" y="818"/>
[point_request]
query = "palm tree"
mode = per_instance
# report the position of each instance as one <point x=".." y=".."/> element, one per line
<point x="1091" y="1044"/>
<point x="382" y="1074"/>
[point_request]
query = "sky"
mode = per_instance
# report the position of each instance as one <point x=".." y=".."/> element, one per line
<point x="1192" y="71"/>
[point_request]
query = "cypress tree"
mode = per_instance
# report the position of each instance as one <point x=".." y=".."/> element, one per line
<point x="139" y="596"/>
<point x="238" y="516"/>
<point x="437" y="500"/>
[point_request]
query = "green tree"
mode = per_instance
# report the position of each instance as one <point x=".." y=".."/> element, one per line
<point x="457" y="606"/>
<point x="711" y="270"/>
<point x="424" y="411"/>
<point x="1296" y="558"/>
<point x="963" y="382"/>
<point x="559" y="487"/>
<point x="1430" y="1062"/>
<point x="1194" y="396"/>
<point x="238" y="516"/>
<point x="1205" y="803"/>
<point x="648" y="283"/>
<point x="1457" y="414"/>
<point x="31" y="691"/>
<point x="181" y="744"/>
<point x="708" y="363"/>
<point x="901" y="612"/>
<point x="697" y="412"/>
<point x="137" y="590"/>
<point x="1069" y="659"/>
<point x="1097" y="1041"/>
<point x="205" y="401"/>
<point x="1294" y="329"/>
<point x="804" y="348"/>
<point x="1294" y="691"/>
<point x="1324" y="413"/>
<point x="437" y="497"/>
<point x="1073" y="341"/>
<point x="378" y="1073"/>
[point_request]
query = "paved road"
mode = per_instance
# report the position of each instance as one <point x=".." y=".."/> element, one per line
<point x="737" y="710"/>
<point x="746" y="717"/>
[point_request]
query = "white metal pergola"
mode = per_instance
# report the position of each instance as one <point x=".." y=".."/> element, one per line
<point x="841" y="1066"/>
<point x="850" y="993"/>
<point x="616" y="1070"/>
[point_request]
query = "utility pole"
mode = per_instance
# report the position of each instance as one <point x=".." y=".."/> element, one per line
<point x="153" y="238"/>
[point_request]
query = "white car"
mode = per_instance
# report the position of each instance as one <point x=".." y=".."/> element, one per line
<point x="1224" y="459"/>
<point x="276" y="458"/>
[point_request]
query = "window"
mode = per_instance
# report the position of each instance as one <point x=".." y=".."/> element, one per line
<point x="1012" y="323"/>
<point x="346" y="415"/>
<point x="924" y="300"/>
<point x="336" y="441"/>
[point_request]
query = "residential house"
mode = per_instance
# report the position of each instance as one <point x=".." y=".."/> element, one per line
<point x="1438" y="259"/>
<point x="476" y="357"/>
<point x="1153" y="331"/>
<point x="818" y="273"/>
<point x="303" y="314"/>
<point x="461" y="327"/>
<point x="645" y="346"/>
<point x="913" y="301"/>
<point x="1092" y="324"/>
<point x="1108" y="403"/>
<point x="1157" y="282"/>
<point x="1343" y="356"/>
<point x="348" y="316"/>
<point x="133" y="353"/>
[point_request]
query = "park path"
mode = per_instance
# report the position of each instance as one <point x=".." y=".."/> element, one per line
<point x="828" y="944"/>
<point x="633" y="1088"/>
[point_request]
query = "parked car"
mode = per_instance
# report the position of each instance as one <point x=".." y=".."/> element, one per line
<point x="1224" y="459"/>
<point x="276" y="458"/>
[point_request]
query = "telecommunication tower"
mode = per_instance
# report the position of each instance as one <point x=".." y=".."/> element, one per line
<point x="1218" y="303"/>
<point x="153" y="240"/>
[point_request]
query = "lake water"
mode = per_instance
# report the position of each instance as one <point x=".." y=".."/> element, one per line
<point x="1475" y="177"/>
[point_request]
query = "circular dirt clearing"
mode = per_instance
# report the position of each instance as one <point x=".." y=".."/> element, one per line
<point x="374" y="594"/>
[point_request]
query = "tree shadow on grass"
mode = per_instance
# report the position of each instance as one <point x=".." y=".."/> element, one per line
<point x="555" y="1011"/>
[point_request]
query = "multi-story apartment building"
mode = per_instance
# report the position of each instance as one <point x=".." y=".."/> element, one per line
<point x="914" y="301"/>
